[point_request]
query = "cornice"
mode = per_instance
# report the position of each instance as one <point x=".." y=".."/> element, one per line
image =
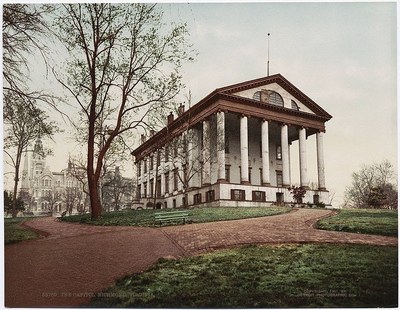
<point x="209" y="105"/>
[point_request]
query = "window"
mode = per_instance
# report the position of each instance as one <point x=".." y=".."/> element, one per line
<point x="158" y="187"/>
<point x="175" y="179"/>
<point x="158" y="158"/>
<point x="197" y="199"/>
<point x="145" y="165"/>
<point x="139" y="168"/>
<point x="139" y="191"/>
<point x="174" y="203"/>
<point x="167" y="182"/>
<point x="257" y="96"/>
<point x="185" y="173"/>
<point x="278" y="152"/>
<point x="175" y="149"/>
<point x="261" y="176"/>
<point x="275" y="98"/>
<point x="210" y="196"/>
<point x="151" y="187"/>
<point x="258" y="196"/>
<point x="228" y="173"/>
<point x="279" y="178"/>
<point x="145" y="190"/>
<point x="166" y="153"/>
<point x="295" y="106"/>
<point x="151" y="162"/>
<point x="250" y="175"/>
<point x="238" y="194"/>
<point x="226" y="144"/>
<point x="316" y="199"/>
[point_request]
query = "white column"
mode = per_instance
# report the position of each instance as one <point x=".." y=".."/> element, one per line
<point x="303" y="157"/>
<point x="206" y="153"/>
<point x="320" y="161"/>
<point x="221" y="146"/>
<point x="161" y="174"/>
<point x="265" y="152"/>
<point x="285" y="155"/>
<point x="244" y="150"/>
<point x="190" y="154"/>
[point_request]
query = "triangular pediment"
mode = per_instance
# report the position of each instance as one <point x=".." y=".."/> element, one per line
<point x="276" y="90"/>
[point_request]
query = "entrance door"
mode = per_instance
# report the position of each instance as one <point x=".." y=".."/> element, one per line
<point x="279" y="199"/>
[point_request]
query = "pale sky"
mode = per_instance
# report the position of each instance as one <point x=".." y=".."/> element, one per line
<point x="341" y="55"/>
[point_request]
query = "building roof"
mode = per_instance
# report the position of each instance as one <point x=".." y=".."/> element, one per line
<point x="226" y="99"/>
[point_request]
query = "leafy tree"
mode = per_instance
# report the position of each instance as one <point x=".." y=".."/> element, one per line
<point x="123" y="64"/>
<point x="9" y="203"/>
<point x="115" y="188"/>
<point x="24" y="123"/>
<point x="372" y="186"/>
<point x="298" y="193"/>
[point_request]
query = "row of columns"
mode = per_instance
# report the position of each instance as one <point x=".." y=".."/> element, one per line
<point x="244" y="153"/>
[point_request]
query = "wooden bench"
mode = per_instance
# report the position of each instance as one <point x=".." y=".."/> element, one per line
<point x="172" y="216"/>
<point x="62" y="215"/>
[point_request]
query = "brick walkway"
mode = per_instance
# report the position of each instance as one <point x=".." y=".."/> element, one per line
<point x="72" y="262"/>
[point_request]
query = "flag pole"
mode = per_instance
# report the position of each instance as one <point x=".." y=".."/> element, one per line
<point x="268" y="56"/>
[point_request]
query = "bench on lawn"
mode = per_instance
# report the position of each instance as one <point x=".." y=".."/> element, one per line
<point x="172" y="216"/>
<point x="62" y="215"/>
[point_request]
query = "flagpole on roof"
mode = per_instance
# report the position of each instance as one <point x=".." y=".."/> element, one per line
<point x="268" y="56"/>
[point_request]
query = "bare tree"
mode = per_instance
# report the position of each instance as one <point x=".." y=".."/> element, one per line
<point x="371" y="186"/>
<point x="115" y="190"/>
<point x="123" y="64"/>
<point x="23" y="124"/>
<point x="52" y="197"/>
<point x="25" y="32"/>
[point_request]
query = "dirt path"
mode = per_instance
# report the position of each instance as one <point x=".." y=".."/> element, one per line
<point x="73" y="262"/>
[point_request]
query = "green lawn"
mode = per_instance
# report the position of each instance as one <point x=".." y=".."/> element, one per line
<point x="15" y="233"/>
<point x="265" y="277"/>
<point x="365" y="221"/>
<point x="197" y="215"/>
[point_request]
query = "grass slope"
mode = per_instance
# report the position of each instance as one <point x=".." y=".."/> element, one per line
<point x="197" y="215"/>
<point x="13" y="232"/>
<point x="265" y="276"/>
<point x="365" y="221"/>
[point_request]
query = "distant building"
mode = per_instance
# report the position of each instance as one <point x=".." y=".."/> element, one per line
<point x="43" y="190"/>
<point x="233" y="148"/>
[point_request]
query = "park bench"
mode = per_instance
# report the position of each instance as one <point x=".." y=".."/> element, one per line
<point x="62" y="215"/>
<point x="172" y="216"/>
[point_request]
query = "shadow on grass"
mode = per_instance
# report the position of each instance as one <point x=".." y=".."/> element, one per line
<point x="283" y="276"/>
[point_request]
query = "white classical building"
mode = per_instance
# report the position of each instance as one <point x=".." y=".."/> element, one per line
<point x="233" y="149"/>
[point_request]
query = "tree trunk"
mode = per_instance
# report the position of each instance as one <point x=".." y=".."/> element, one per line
<point x="95" y="202"/>
<point x="16" y="179"/>
<point x="14" y="202"/>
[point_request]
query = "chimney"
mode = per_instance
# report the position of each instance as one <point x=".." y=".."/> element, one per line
<point x="170" y="118"/>
<point x="143" y="138"/>
<point x="181" y="109"/>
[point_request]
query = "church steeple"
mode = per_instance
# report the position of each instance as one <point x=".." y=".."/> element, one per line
<point x="38" y="149"/>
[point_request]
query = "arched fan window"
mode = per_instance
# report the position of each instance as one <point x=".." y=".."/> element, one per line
<point x="257" y="96"/>
<point x="295" y="106"/>
<point x="275" y="98"/>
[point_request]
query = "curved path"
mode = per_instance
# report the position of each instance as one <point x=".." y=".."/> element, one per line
<point x="72" y="261"/>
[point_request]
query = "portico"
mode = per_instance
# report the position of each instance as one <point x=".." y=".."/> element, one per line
<point x="239" y="140"/>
